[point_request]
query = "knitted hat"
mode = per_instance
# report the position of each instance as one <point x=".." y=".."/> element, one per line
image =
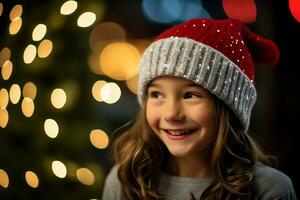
<point x="219" y="55"/>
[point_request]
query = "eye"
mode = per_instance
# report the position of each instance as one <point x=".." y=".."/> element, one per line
<point x="188" y="95"/>
<point x="155" y="94"/>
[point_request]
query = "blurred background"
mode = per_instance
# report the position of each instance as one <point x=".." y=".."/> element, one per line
<point x="68" y="80"/>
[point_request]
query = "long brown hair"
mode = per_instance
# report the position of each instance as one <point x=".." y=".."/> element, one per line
<point x="140" y="154"/>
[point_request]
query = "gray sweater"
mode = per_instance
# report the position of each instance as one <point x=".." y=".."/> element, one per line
<point x="269" y="184"/>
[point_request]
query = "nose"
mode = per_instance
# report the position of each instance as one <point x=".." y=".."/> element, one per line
<point x="173" y="111"/>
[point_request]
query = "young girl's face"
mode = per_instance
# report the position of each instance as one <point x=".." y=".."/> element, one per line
<point x="182" y="114"/>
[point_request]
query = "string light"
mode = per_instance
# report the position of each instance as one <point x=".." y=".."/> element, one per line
<point x="29" y="54"/>
<point x="68" y="7"/>
<point x="15" y="25"/>
<point x="99" y="139"/>
<point x="15" y="93"/>
<point x="3" y="117"/>
<point x="96" y="90"/>
<point x="4" y="179"/>
<point x="86" y="19"/>
<point x="32" y="179"/>
<point x="85" y="176"/>
<point x="39" y="32"/>
<point x="51" y="128"/>
<point x="110" y="93"/>
<point x="27" y="107"/>
<point x="7" y="69"/>
<point x="4" y="98"/>
<point x="15" y="12"/>
<point x="45" y="48"/>
<point x="58" y="98"/>
<point x="30" y="90"/>
<point x="59" y="169"/>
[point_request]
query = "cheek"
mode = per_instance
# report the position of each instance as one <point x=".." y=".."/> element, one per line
<point x="205" y="116"/>
<point x="152" y="117"/>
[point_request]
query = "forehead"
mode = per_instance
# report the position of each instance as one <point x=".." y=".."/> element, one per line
<point x="163" y="80"/>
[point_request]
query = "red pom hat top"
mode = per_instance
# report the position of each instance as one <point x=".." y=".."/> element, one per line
<point x="219" y="55"/>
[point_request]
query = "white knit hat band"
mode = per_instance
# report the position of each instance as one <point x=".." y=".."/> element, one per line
<point x="195" y="61"/>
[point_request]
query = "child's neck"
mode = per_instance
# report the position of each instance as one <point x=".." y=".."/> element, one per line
<point x="188" y="167"/>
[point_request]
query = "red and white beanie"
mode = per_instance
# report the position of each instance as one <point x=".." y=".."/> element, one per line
<point x="219" y="55"/>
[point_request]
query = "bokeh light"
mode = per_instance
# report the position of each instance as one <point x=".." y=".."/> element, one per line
<point x="4" y="55"/>
<point x="32" y="179"/>
<point x="58" y="98"/>
<point x="106" y="33"/>
<point x="86" y="19"/>
<point x="96" y="90"/>
<point x="29" y="54"/>
<point x="68" y="7"/>
<point x="6" y="69"/>
<point x="294" y="6"/>
<point x="45" y="48"/>
<point x="1" y="8"/>
<point x="4" y="179"/>
<point x="39" y="32"/>
<point x="30" y="90"/>
<point x="132" y="84"/>
<point x="16" y="11"/>
<point x="85" y="176"/>
<point x="4" y="98"/>
<point x="120" y="60"/>
<point x="172" y="11"/>
<point x="3" y="117"/>
<point x="99" y="139"/>
<point x="245" y="10"/>
<point x="15" y="93"/>
<point x="59" y="169"/>
<point x="15" y="25"/>
<point x="110" y="93"/>
<point x="51" y="128"/>
<point x="27" y="107"/>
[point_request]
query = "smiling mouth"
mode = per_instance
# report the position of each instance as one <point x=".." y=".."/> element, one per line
<point x="179" y="132"/>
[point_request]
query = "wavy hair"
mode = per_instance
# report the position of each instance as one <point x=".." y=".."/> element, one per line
<point x="140" y="155"/>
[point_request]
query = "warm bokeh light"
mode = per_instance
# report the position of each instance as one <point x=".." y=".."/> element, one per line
<point x="86" y="19"/>
<point x="132" y="84"/>
<point x="96" y="90"/>
<point x="32" y="179"/>
<point x="16" y="11"/>
<point x="85" y="176"/>
<point x="4" y="179"/>
<point x="4" y="55"/>
<point x="93" y="62"/>
<point x="59" y="169"/>
<point x="120" y="60"/>
<point x="99" y="139"/>
<point x="294" y="6"/>
<point x="68" y="7"/>
<point x="29" y="90"/>
<point x="6" y="69"/>
<point x="106" y="33"/>
<point x="29" y="54"/>
<point x="15" y="93"/>
<point x="15" y="25"/>
<point x="27" y="107"/>
<point x="3" y="117"/>
<point x="1" y="8"/>
<point x="51" y="128"/>
<point x="39" y="32"/>
<point x="4" y="98"/>
<point x="110" y="93"/>
<point x="45" y="48"/>
<point x="58" y="98"/>
<point x="245" y="10"/>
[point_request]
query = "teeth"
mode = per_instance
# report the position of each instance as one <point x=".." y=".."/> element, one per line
<point x="176" y="133"/>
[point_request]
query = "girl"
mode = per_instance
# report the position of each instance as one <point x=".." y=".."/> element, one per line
<point x="190" y="138"/>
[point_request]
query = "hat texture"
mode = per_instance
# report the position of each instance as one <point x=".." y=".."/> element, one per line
<point x="219" y="55"/>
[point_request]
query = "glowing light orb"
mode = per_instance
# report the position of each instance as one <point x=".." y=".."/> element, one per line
<point x="32" y="179"/>
<point x="245" y="10"/>
<point x="59" y="169"/>
<point x="294" y="6"/>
